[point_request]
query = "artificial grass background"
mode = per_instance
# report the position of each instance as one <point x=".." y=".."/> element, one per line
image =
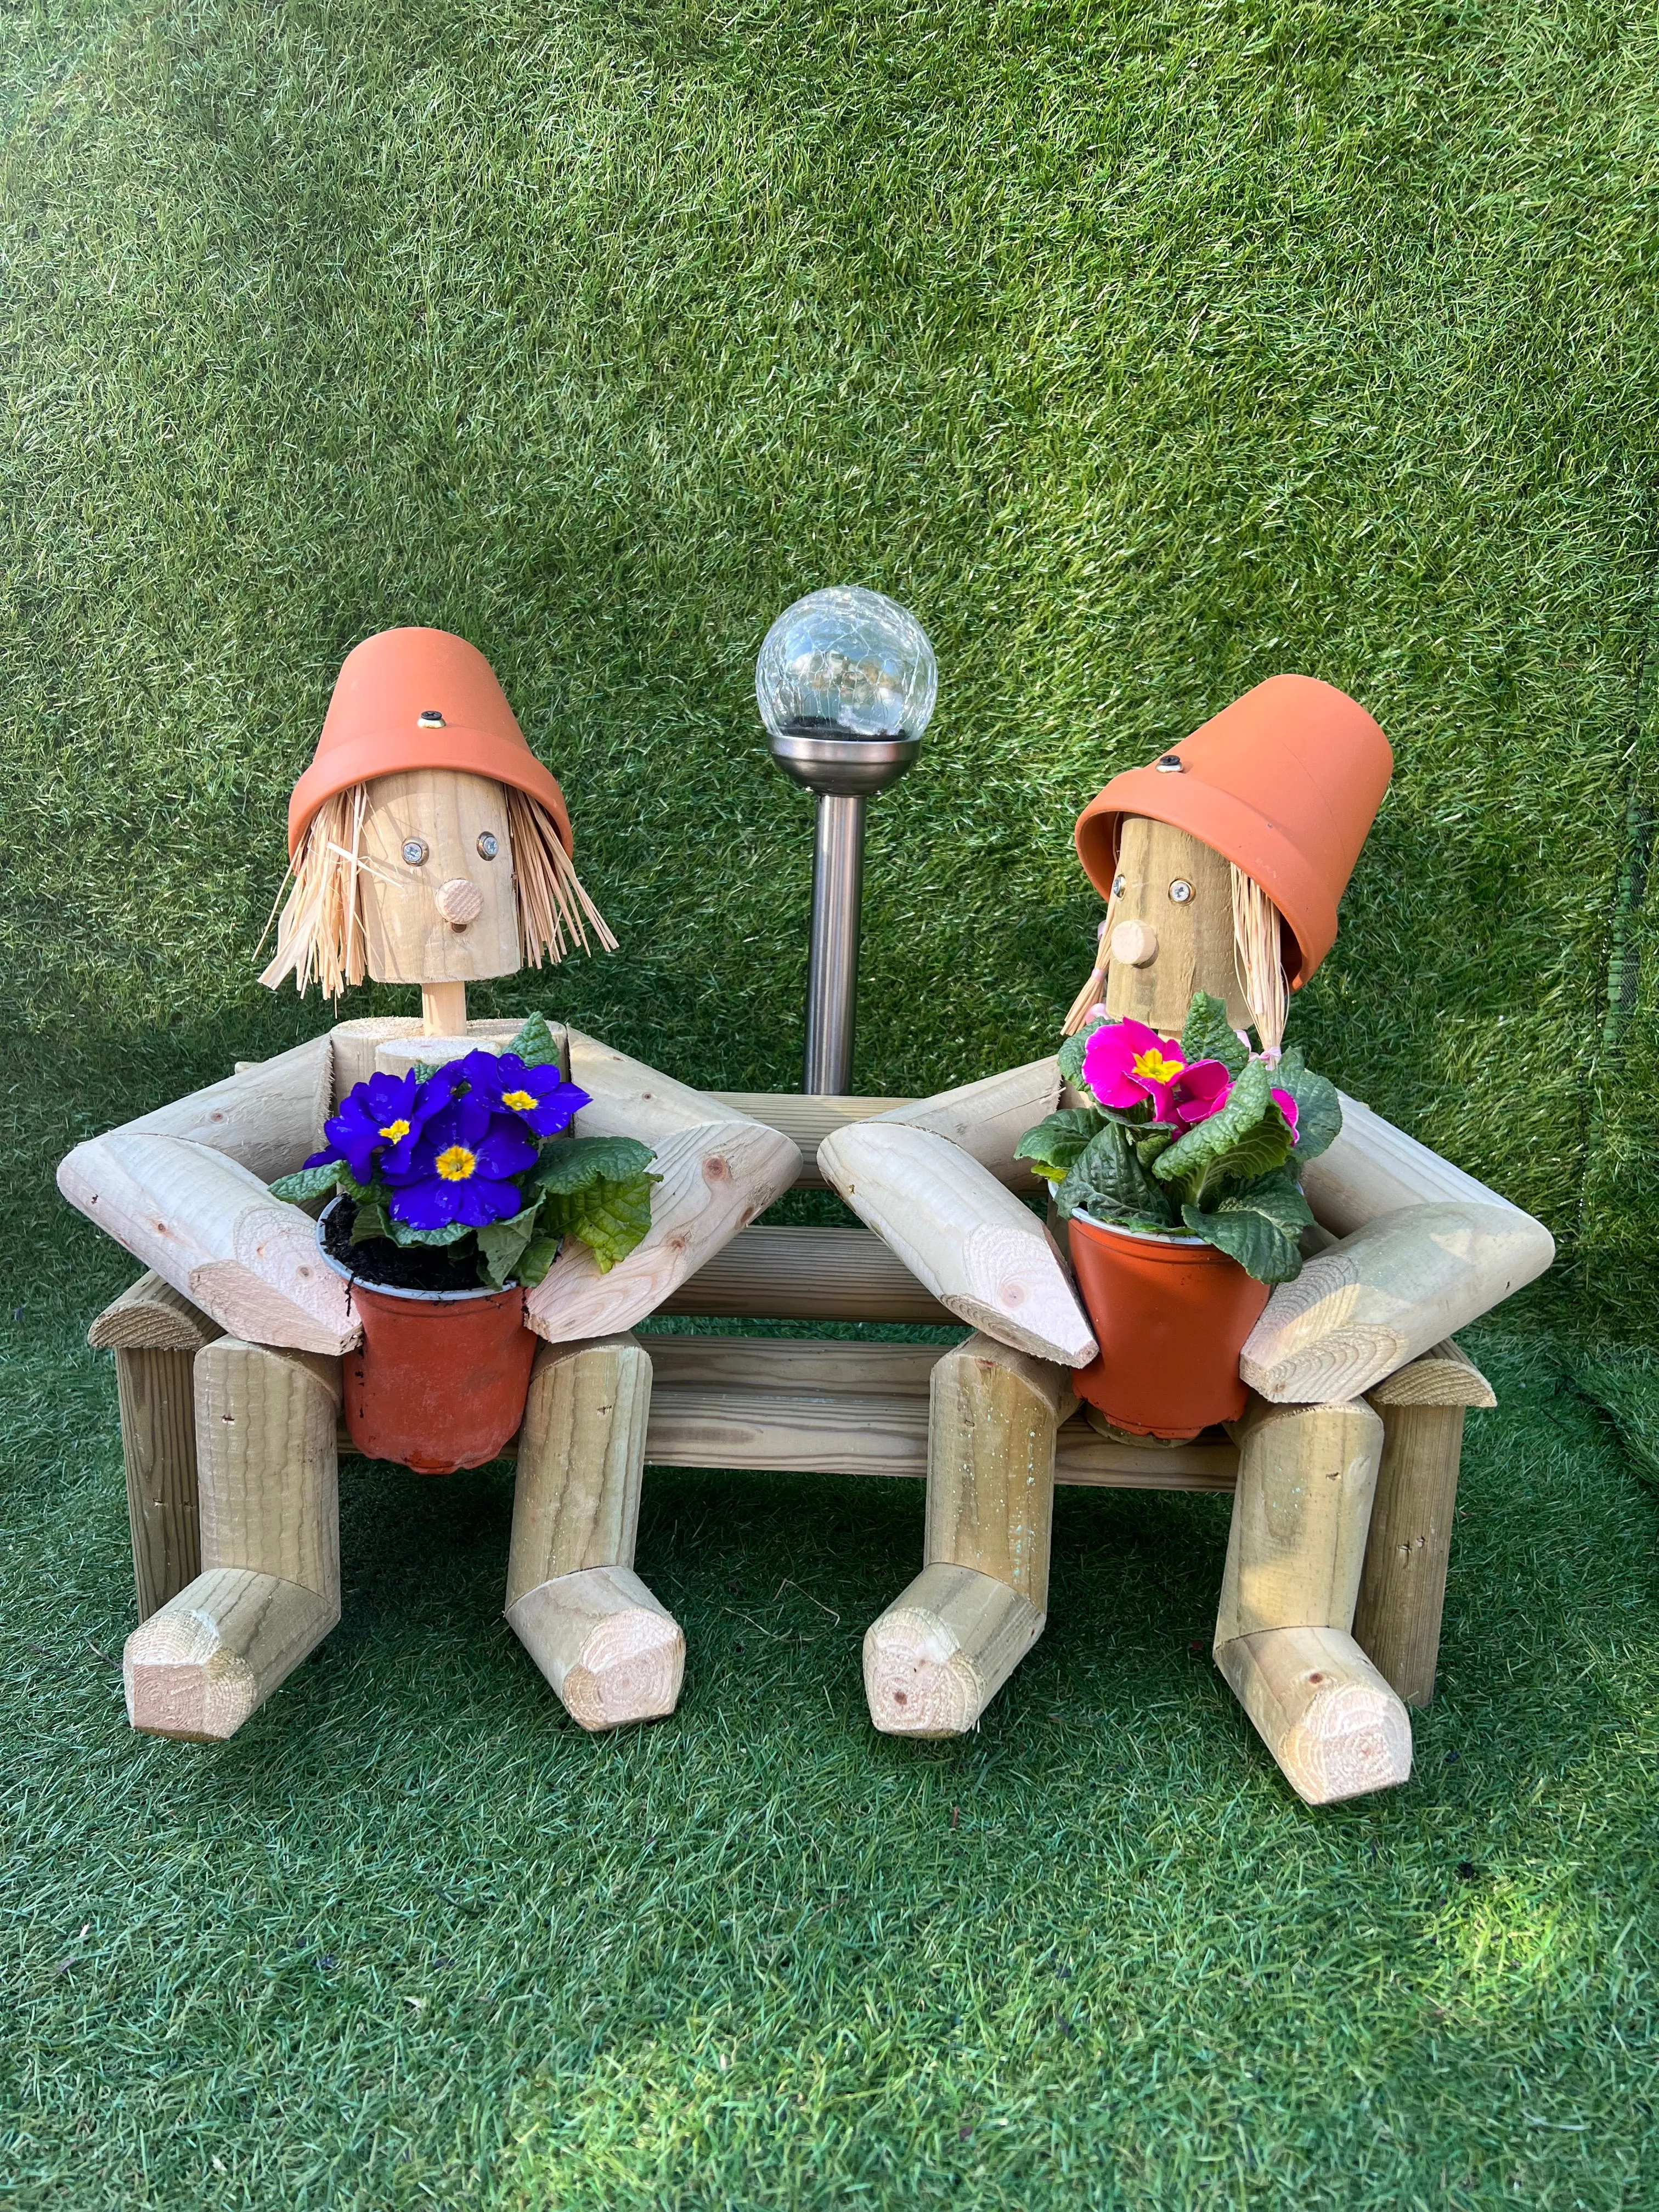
<point x="1143" y="350"/>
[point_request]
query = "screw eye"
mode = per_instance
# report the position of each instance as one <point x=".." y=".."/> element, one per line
<point x="1120" y="885"/>
<point x="488" y="846"/>
<point x="1181" y="890"/>
<point x="414" y="851"/>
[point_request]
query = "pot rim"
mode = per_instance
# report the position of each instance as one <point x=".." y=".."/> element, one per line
<point x="1135" y="1235"/>
<point x="360" y="1282"/>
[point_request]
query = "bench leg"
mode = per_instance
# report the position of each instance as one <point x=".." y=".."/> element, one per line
<point x="1284" y="1640"/>
<point x="156" y="1392"/>
<point x="268" y="1589"/>
<point x="1402" y="1590"/>
<point x="611" y="1653"/>
<point x="945" y="1647"/>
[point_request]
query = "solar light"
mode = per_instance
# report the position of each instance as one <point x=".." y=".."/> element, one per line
<point x="846" y="682"/>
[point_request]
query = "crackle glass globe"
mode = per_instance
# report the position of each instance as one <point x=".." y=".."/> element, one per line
<point x="849" y="661"/>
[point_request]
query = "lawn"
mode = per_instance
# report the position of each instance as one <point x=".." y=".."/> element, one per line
<point x="1144" y="349"/>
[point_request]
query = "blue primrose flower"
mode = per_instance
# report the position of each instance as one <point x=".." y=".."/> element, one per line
<point x="540" y="1099"/>
<point x="461" y="1168"/>
<point x="384" y="1115"/>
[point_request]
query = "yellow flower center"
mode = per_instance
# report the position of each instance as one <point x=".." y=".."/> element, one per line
<point x="519" y="1101"/>
<point x="1151" y="1066"/>
<point x="394" y="1130"/>
<point x="456" y="1165"/>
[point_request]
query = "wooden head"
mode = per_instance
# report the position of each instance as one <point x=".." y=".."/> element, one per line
<point x="438" y="902"/>
<point x="1169" y="929"/>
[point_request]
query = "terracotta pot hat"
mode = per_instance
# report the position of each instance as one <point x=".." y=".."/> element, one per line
<point x="1284" y="783"/>
<point x="419" y="698"/>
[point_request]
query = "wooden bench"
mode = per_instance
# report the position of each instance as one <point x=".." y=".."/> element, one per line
<point x="834" y="1406"/>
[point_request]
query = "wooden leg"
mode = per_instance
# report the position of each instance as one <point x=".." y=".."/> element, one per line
<point x="1306" y="1478"/>
<point x="1403" y="1589"/>
<point x="269" y="1591"/>
<point x="157" y="1395"/>
<point x="945" y="1647"/>
<point x="611" y="1653"/>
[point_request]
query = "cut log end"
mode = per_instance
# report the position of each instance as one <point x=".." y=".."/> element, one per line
<point x="1335" y="1727"/>
<point x="939" y="1654"/>
<point x="610" y="1650"/>
<point x="195" y="1671"/>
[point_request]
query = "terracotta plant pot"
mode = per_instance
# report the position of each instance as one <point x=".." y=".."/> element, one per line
<point x="1284" y="783"/>
<point x="416" y="699"/>
<point x="1171" y="1314"/>
<point x="440" y="1380"/>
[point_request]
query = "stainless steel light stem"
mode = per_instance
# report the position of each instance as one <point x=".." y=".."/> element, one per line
<point x="832" y="974"/>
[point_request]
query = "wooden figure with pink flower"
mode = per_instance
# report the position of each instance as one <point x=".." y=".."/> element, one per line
<point x="1259" y="1259"/>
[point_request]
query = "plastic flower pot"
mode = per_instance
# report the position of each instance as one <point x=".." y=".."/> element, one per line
<point x="440" y="1378"/>
<point x="1171" y="1316"/>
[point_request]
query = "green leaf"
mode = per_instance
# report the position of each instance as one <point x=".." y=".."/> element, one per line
<point x="310" y="1183"/>
<point x="1257" y="1153"/>
<point x="1071" y="1058"/>
<point x="1210" y="1035"/>
<point x="1054" y="1145"/>
<point x="1259" y="1227"/>
<point x="537" y="1045"/>
<point x="502" y="1241"/>
<point x="1191" y="1159"/>
<point x="1151" y="1142"/>
<point x="610" y="1218"/>
<point x="538" y="1257"/>
<point x="451" y="1233"/>
<point x="1108" y="1181"/>
<point x="371" y="1221"/>
<point x="1318" y="1108"/>
<point x="572" y="1163"/>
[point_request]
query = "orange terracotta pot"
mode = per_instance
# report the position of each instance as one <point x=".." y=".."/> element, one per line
<point x="1285" y="783"/>
<point x="419" y="698"/>
<point x="441" y="1377"/>
<point x="1171" y="1316"/>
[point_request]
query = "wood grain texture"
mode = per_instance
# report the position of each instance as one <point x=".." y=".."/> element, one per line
<point x="443" y="1005"/>
<point x="987" y="1119"/>
<point x="409" y="940"/>
<point x="269" y="1591"/>
<point x="813" y="1366"/>
<point x="1402" y="1590"/>
<point x="994" y="1417"/>
<point x="1306" y="1478"/>
<point x="1445" y="1375"/>
<point x="1386" y="1293"/>
<point x="1374" y="1169"/>
<point x="581" y="1454"/>
<point x="266" y="1118"/>
<point x="941" y="1651"/>
<point x="1194" y="939"/>
<point x="806" y="1275"/>
<point x="355" y="1044"/>
<point x="152" y="1316"/>
<point x="211" y="1228"/>
<point x="1333" y="1726"/>
<point x="716" y="1177"/>
<point x="612" y="1654"/>
<point x="807" y="1121"/>
<point x="966" y="1239"/>
<point x="156" y="1395"/>
<point x="632" y="1100"/>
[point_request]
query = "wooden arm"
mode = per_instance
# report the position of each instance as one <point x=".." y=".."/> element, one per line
<point x="1374" y="1169"/>
<point x="962" y="1235"/>
<point x="1387" y="1293"/>
<point x="210" y="1227"/>
<point x="989" y="1118"/>
<point x="267" y="1117"/>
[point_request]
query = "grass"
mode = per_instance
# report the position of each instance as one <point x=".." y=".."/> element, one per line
<point x="1144" y="348"/>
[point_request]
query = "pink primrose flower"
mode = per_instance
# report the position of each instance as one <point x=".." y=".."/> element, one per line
<point x="1125" y="1063"/>
<point x="1203" y="1088"/>
<point x="1286" y="1106"/>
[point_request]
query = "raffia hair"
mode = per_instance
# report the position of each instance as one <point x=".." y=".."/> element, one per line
<point x="320" y="931"/>
<point x="1258" y="953"/>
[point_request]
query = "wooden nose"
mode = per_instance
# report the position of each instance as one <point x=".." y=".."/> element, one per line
<point x="1134" y="943"/>
<point x="460" y="901"/>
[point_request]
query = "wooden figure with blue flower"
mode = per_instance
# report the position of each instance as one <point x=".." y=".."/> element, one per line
<point x="505" y="1201"/>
